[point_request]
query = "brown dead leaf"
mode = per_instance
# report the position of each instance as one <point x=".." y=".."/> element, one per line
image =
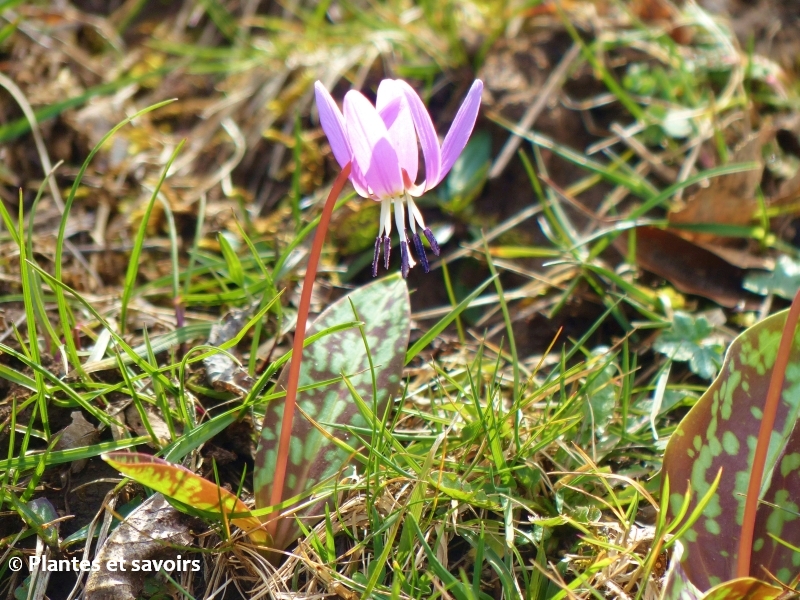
<point x="78" y="434"/>
<point x="150" y="533"/>
<point x="156" y="421"/>
<point x="738" y="257"/>
<point x="690" y="268"/>
<point x="788" y="190"/>
<point x="653" y="10"/>
<point x="665" y="14"/>
<point x="222" y="372"/>
<point x="729" y="199"/>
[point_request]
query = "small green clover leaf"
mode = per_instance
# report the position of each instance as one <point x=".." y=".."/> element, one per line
<point x="783" y="281"/>
<point x="692" y="339"/>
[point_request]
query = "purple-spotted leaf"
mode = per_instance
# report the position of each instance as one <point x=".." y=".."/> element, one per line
<point x="744" y="588"/>
<point x="180" y="484"/>
<point x="720" y="432"/>
<point x="678" y="586"/>
<point x="384" y="308"/>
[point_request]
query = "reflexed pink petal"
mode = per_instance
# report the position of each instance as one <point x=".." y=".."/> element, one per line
<point x="372" y="150"/>
<point x="427" y="137"/>
<point x="393" y="109"/>
<point x="332" y="122"/>
<point x="461" y="128"/>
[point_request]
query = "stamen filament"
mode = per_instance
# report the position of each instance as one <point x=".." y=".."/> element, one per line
<point x="399" y="217"/>
<point x="406" y="261"/>
<point x="411" y="224"/>
<point x="386" y="217"/>
<point x="412" y="209"/>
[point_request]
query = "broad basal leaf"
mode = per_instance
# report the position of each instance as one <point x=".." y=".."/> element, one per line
<point x="677" y="585"/>
<point x="720" y="432"/>
<point x="384" y="308"/>
<point x="180" y="484"/>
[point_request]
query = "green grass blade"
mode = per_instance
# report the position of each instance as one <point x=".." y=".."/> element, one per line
<point x="58" y="261"/>
<point x="138" y="243"/>
<point x="445" y="321"/>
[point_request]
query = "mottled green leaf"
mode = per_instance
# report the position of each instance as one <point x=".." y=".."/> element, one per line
<point x="744" y="588"/>
<point x="678" y="586"/>
<point x="783" y="281"/>
<point x="691" y="339"/>
<point x="384" y="308"/>
<point x="720" y="432"/>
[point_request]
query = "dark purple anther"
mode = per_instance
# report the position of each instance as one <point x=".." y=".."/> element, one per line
<point x="420" y="249"/>
<point x="376" y="256"/>
<point x="404" y="266"/>
<point x="387" y="248"/>
<point x="432" y="240"/>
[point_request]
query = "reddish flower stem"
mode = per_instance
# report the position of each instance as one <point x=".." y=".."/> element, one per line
<point x="767" y="424"/>
<point x="297" y="349"/>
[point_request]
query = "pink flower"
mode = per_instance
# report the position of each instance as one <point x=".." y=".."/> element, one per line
<point x="381" y="142"/>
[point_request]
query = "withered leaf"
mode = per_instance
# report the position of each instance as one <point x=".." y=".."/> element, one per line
<point x="150" y="532"/>
<point x="690" y="268"/>
<point x="729" y="199"/>
<point x="156" y="421"/>
<point x="222" y="372"/>
<point x="78" y="434"/>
